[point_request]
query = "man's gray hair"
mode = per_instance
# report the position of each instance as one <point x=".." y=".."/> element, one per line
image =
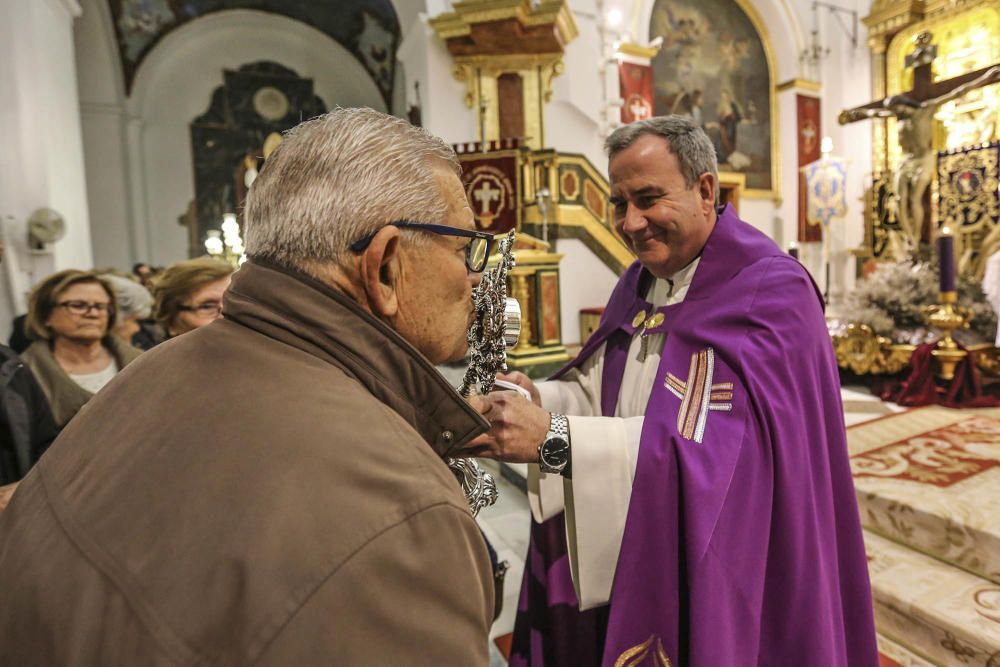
<point x="688" y="142"/>
<point x="338" y="177"/>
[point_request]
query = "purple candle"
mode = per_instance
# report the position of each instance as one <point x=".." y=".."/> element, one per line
<point x="793" y="249"/>
<point x="946" y="260"/>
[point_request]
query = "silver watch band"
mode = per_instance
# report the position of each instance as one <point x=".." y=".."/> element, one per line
<point x="558" y="428"/>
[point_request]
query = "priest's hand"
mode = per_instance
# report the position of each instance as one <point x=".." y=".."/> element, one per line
<point x="524" y="382"/>
<point x="517" y="428"/>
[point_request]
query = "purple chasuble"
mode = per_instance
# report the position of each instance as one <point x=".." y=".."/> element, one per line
<point x="742" y="544"/>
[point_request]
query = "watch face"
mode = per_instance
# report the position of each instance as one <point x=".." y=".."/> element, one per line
<point x="555" y="452"/>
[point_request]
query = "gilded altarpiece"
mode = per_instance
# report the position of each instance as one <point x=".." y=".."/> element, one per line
<point x="967" y="36"/>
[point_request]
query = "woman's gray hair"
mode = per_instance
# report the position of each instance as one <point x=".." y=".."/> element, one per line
<point x="132" y="298"/>
<point x="339" y="177"/>
<point x="688" y="142"/>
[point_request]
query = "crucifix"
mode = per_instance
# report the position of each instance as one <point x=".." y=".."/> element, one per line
<point x="914" y="111"/>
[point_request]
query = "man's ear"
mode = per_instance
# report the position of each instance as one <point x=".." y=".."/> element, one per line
<point x="708" y="186"/>
<point x="380" y="272"/>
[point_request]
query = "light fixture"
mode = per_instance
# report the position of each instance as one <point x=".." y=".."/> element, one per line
<point x="213" y="244"/>
<point x="226" y="244"/>
<point x="614" y="17"/>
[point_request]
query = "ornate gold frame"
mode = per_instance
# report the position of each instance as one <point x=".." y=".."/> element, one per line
<point x="765" y="39"/>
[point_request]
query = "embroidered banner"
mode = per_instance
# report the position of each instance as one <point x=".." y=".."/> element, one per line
<point x="826" y="180"/>
<point x="808" y="132"/>
<point x="968" y="179"/>
<point x="490" y="184"/>
<point x="636" y="85"/>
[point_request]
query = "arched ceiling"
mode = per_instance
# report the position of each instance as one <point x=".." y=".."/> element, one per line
<point x="369" y="29"/>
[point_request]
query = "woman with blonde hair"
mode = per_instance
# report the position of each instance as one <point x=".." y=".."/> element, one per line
<point x="188" y="294"/>
<point x="74" y="354"/>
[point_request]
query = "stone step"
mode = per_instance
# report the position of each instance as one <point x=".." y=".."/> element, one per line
<point x="930" y="479"/>
<point x="935" y="611"/>
<point x="893" y="654"/>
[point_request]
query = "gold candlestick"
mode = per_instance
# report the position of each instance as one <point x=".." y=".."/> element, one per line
<point x="946" y="317"/>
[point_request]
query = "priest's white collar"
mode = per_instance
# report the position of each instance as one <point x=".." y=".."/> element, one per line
<point x="665" y="292"/>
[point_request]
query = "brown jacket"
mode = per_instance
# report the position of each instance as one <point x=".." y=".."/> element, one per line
<point x="266" y="490"/>
<point x="65" y="396"/>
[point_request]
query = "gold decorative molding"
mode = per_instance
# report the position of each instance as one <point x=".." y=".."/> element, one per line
<point x="467" y="13"/>
<point x="800" y="84"/>
<point x="549" y="73"/>
<point x="864" y="352"/>
<point x="758" y="24"/>
<point x="637" y="50"/>
<point x="889" y="16"/>
<point x="480" y="73"/>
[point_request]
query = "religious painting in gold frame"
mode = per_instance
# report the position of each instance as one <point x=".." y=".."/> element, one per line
<point x="966" y="40"/>
<point x="731" y="186"/>
<point x="717" y="66"/>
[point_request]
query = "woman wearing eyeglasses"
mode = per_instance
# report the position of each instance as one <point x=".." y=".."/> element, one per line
<point x="70" y="316"/>
<point x="189" y="294"/>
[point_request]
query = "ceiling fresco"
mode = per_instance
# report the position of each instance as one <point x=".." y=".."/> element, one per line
<point x="369" y="29"/>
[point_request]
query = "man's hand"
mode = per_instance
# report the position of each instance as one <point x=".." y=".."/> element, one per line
<point x="5" y="493"/>
<point x="524" y="382"/>
<point x="518" y="427"/>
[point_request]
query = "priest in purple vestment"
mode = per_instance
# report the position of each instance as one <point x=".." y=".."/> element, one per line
<point x="690" y="466"/>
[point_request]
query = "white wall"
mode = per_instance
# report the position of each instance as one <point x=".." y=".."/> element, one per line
<point x="585" y="282"/>
<point x="575" y="117"/>
<point x="138" y="148"/>
<point x="427" y="61"/>
<point x="42" y="161"/>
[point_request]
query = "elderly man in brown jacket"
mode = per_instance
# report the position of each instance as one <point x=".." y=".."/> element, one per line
<point x="270" y="489"/>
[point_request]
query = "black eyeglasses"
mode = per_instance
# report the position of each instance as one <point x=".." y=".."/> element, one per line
<point x="206" y="309"/>
<point x="84" y="308"/>
<point x="477" y="253"/>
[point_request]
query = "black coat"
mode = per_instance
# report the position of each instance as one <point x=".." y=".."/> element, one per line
<point x="26" y="424"/>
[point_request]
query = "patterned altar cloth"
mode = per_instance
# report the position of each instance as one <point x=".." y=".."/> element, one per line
<point x="928" y="485"/>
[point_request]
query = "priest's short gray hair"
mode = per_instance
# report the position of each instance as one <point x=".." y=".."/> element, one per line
<point x="690" y="145"/>
<point x="339" y="177"/>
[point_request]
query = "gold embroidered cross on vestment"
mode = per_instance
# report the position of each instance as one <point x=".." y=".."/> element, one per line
<point x="699" y="395"/>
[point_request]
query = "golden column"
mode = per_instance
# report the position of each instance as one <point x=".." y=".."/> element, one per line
<point x="507" y="52"/>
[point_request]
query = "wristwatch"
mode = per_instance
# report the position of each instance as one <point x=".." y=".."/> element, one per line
<point x="553" y="453"/>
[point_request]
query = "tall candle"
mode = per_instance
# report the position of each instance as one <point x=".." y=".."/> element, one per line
<point x="793" y="249"/>
<point x="946" y="260"/>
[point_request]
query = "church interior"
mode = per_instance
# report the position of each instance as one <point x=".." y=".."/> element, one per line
<point x="862" y="136"/>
